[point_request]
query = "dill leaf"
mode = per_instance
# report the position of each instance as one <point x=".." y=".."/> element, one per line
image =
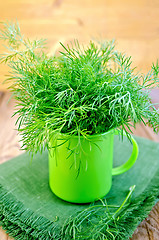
<point x="81" y="91"/>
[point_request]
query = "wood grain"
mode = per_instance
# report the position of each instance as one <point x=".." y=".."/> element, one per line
<point x="134" y="24"/>
<point x="149" y="228"/>
<point x="9" y="139"/>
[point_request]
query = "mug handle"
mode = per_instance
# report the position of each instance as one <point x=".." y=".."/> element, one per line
<point x="126" y="166"/>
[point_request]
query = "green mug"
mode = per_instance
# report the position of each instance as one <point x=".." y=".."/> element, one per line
<point x="81" y="169"/>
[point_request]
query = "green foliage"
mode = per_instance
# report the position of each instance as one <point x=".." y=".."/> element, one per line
<point x="99" y="221"/>
<point x="81" y="91"/>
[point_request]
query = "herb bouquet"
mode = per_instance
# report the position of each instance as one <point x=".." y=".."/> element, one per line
<point x="82" y="93"/>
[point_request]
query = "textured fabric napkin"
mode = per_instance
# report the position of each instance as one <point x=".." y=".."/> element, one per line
<point x="29" y="210"/>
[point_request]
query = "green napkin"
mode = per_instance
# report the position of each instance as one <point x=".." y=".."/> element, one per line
<point x="29" y="210"/>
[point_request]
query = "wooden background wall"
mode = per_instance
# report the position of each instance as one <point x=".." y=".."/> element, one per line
<point x="135" y="26"/>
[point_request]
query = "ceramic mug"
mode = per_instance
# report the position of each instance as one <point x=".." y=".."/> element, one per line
<point x="80" y="169"/>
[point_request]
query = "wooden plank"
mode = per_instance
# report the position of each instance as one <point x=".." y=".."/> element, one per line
<point x="9" y="141"/>
<point x="3" y="235"/>
<point x="133" y="24"/>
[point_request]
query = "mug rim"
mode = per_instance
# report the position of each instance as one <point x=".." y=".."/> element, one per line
<point x="89" y="136"/>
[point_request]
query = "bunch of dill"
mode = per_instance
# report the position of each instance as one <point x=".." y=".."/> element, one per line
<point x="81" y="91"/>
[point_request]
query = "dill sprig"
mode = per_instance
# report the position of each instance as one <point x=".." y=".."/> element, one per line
<point x="99" y="221"/>
<point x="80" y="91"/>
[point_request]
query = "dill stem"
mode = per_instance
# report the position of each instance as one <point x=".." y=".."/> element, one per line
<point x="132" y="188"/>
